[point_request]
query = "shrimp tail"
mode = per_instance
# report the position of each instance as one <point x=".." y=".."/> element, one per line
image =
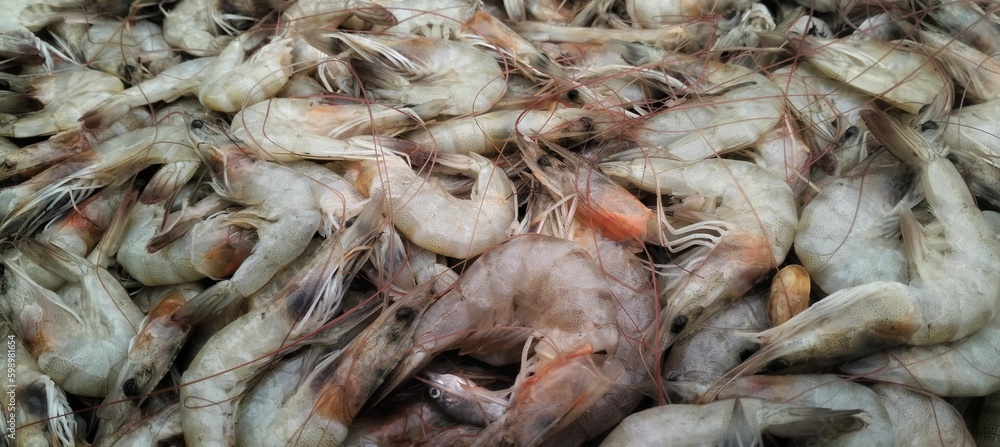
<point x="55" y="259"/>
<point x="209" y="302"/>
<point x="810" y="422"/>
<point x="18" y="103"/>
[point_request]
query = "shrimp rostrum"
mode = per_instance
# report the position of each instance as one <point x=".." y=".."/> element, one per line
<point x="951" y="294"/>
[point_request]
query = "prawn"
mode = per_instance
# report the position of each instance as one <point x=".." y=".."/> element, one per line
<point x="729" y="422"/>
<point x="849" y="234"/>
<point x="285" y="226"/>
<point x="232" y="81"/>
<point x="43" y="415"/>
<point x="221" y="372"/>
<point x="133" y="51"/>
<point x="910" y="412"/>
<point x="488" y="312"/>
<point x="757" y="215"/>
<point x="416" y="70"/>
<point x="66" y="96"/>
<point x="972" y="132"/>
<point x="951" y="295"/>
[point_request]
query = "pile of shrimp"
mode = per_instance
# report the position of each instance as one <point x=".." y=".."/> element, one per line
<point x="517" y="223"/>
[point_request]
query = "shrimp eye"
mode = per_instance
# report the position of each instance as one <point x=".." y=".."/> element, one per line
<point x="777" y="365"/>
<point x="745" y="354"/>
<point x="4" y="84"/>
<point x="850" y="133"/>
<point x="197" y="124"/>
<point x="130" y="388"/>
<point x="573" y="95"/>
<point x="928" y="125"/>
<point x="435" y="393"/>
<point x="678" y="324"/>
<point x="351" y="221"/>
<point x="404" y="314"/>
<point x="544" y="161"/>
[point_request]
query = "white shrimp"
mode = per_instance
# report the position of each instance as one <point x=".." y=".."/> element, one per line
<point x="977" y="74"/>
<point x="951" y="294"/>
<point x="232" y="81"/>
<point x="460" y="228"/>
<point x="729" y="422"/>
<point x="971" y="132"/>
<point x="849" y="234"/>
<point x="288" y="203"/>
<point x="415" y="70"/>
<point x="783" y="151"/>
<point x="751" y="209"/>
<point x="501" y="302"/>
<point x="66" y="95"/>
<point x="922" y="419"/>
<point x="42" y="414"/>
<point x="191" y="26"/>
<point x="133" y="51"/>
<point x="223" y="368"/>
<point x="78" y="347"/>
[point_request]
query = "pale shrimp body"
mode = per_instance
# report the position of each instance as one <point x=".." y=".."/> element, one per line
<point x="967" y="367"/>
<point x="132" y="51"/>
<point x="191" y="27"/>
<point x="988" y="425"/>
<point x="223" y="368"/>
<point x="849" y="234"/>
<point x="734" y="107"/>
<point x="161" y="427"/>
<point x="416" y="70"/>
<point x="434" y="219"/>
<point x="232" y="81"/>
<point x="950" y="296"/>
<point x="758" y="217"/>
<point x="652" y="14"/>
<point x="827" y="391"/>
<point x="728" y="422"/>
<point x="976" y="72"/>
<point x="891" y="72"/>
<point x="968" y="22"/>
<point x="67" y="95"/>
<point x="782" y="150"/>
<point x="151" y="354"/>
<point x="42" y="414"/>
<point x="971" y="132"/>
<point x="501" y="301"/>
<point x="922" y="419"/>
<point x="487" y="134"/>
<point x="170" y="84"/>
<point x="288" y="204"/>
<point x="79" y="347"/>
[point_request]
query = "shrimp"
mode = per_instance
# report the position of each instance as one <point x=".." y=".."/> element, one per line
<point x="849" y="234"/>
<point x="951" y="294"/>
<point x="977" y="73"/>
<point x="488" y="133"/>
<point x="715" y="347"/>
<point x="707" y="126"/>
<point x="402" y="424"/>
<point x="151" y="353"/>
<point x="757" y="215"/>
<point x="160" y="428"/>
<point x="482" y="29"/>
<point x="548" y="11"/>
<point x="223" y="368"/>
<point x="652" y="14"/>
<point x="133" y="51"/>
<point x="170" y="84"/>
<point x="285" y="226"/>
<point x="921" y="419"/>
<point x="42" y="414"/>
<point x="66" y="95"/>
<point x="468" y="226"/>
<point x="729" y="422"/>
<point x="488" y="312"/>
<point x="415" y="70"/>
<point x="328" y="399"/>
<point x="79" y="346"/>
<point x="194" y="26"/>
<point x="783" y="151"/>
<point x="323" y="128"/>
<point x="232" y="81"/>
<point x="828" y="391"/>
<point x="967" y="22"/>
<point x="894" y="73"/>
<point x="972" y="132"/>
<point x="967" y="367"/>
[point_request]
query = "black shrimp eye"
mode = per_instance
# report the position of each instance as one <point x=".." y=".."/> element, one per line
<point x="435" y="393"/>
<point x="745" y="354"/>
<point x="928" y="125"/>
<point x="404" y="314"/>
<point x="678" y="324"/>
<point x="4" y="84"/>
<point x="544" y="162"/>
<point x="573" y="95"/>
<point x="777" y="365"/>
<point x="130" y="388"/>
<point x="197" y="124"/>
<point x="351" y="221"/>
<point x="850" y="133"/>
